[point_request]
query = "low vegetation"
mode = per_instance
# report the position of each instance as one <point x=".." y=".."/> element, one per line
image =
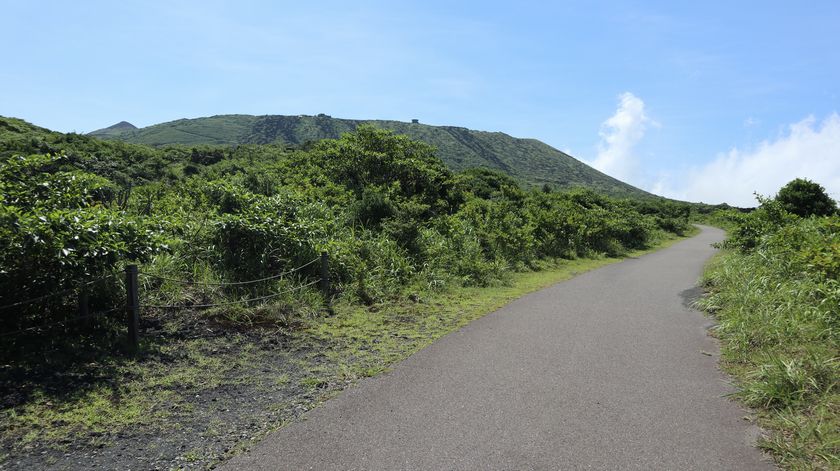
<point x="389" y="213"/>
<point x="774" y="290"/>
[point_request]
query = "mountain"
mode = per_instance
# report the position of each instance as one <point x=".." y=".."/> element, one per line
<point x="115" y="130"/>
<point x="529" y="161"/>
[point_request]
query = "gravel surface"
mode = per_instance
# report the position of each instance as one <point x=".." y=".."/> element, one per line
<point x="199" y="427"/>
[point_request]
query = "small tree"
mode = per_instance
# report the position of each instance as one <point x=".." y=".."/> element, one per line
<point x="806" y="198"/>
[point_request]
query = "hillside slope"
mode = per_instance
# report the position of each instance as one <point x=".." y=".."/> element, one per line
<point x="529" y="161"/>
<point x="116" y="129"/>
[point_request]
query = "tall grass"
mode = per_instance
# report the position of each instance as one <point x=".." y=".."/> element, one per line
<point x="779" y="323"/>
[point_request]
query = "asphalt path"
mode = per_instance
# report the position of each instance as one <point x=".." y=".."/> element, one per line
<point x="609" y="370"/>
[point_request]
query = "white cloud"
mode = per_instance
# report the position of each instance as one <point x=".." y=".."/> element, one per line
<point x="619" y="136"/>
<point x="807" y="150"/>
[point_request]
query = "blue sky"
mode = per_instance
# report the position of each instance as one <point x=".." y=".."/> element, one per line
<point x="706" y="101"/>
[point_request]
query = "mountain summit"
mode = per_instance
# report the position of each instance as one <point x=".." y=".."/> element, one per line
<point x="114" y="130"/>
<point x="529" y="161"/>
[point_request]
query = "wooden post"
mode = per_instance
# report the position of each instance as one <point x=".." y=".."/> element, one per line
<point x="325" y="278"/>
<point x="132" y="307"/>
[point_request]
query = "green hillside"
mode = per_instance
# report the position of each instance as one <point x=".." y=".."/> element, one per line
<point x="529" y="161"/>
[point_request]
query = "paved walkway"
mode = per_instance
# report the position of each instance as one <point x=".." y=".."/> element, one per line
<point x="609" y="370"/>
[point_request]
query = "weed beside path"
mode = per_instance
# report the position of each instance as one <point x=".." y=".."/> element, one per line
<point x="778" y="328"/>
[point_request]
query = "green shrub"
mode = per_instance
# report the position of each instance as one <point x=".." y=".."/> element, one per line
<point x="452" y="251"/>
<point x="504" y="232"/>
<point x="258" y="236"/>
<point x="805" y="198"/>
<point x="58" y="230"/>
<point x="752" y="227"/>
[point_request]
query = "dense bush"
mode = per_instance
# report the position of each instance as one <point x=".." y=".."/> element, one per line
<point x="748" y="229"/>
<point x="806" y="198"/>
<point x="389" y="213"/>
<point x="61" y="229"/>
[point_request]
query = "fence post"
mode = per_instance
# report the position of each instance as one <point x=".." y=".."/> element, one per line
<point x="132" y="307"/>
<point x="325" y="278"/>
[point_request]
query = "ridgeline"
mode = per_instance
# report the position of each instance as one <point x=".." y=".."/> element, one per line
<point x="529" y="161"/>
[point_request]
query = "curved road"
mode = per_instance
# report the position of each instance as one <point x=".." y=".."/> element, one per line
<point x="609" y="370"/>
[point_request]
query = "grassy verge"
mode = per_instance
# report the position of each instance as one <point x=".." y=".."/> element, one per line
<point x="365" y="338"/>
<point x="781" y="340"/>
<point x="201" y="391"/>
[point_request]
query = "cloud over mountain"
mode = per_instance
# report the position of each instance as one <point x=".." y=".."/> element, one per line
<point x="619" y="136"/>
<point x="808" y="149"/>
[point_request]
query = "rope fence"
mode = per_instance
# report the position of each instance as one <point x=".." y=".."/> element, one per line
<point x="60" y="323"/>
<point x="234" y="283"/>
<point x="230" y="303"/>
<point x="57" y="293"/>
<point x="133" y="305"/>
